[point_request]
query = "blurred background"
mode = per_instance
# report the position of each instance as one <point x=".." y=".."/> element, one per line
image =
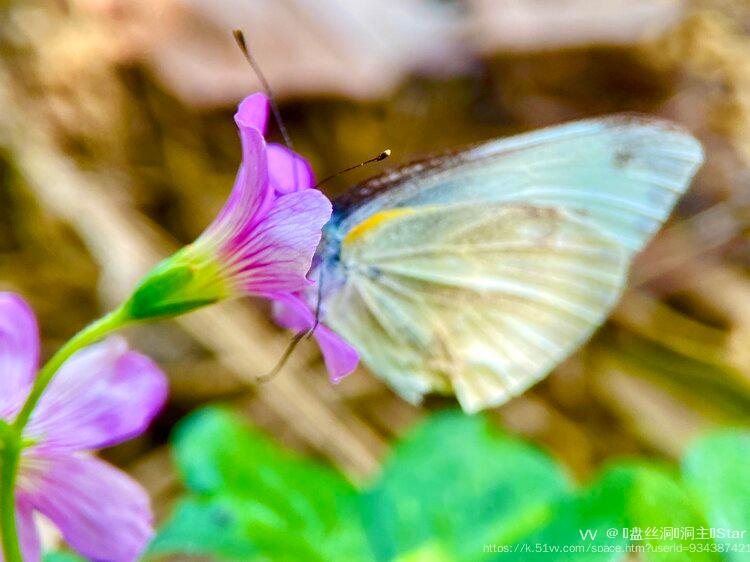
<point x="117" y="145"/>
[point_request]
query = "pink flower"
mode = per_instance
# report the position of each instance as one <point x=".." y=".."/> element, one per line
<point x="101" y="396"/>
<point x="290" y="173"/>
<point x="262" y="241"/>
<point x="269" y="229"/>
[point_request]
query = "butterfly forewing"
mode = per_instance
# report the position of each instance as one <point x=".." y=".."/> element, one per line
<point x="624" y="173"/>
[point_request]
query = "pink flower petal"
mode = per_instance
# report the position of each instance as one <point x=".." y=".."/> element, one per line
<point x="19" y="352"/>
<point x="293" y="313"/>
<point x="251" y="191"/>
<point x="28" y="536"/>
<point x="287" y="171"/>
<point x="253" y="112"/>
<point x="275" y="254"/>
<point x="102" y="513"/>
<point x="101" y="396"/>
<point x="290" y="311"/>
<point x="341" y="359"/>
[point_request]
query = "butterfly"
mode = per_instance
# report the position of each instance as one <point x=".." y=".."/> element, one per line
<point x="476" y="272"/>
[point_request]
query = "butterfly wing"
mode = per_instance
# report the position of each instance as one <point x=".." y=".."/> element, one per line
<point x="623" y="173"/>
<point x="477" y="299"/>
<point x="478" y="273"/>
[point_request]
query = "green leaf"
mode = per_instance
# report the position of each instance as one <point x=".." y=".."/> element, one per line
<point x="717" y="471"/>
<point x="658" y="502"/>
<point x="205" y="527"/>
<point x="452" y="491"/>
<point x="286" y="507"/>
<point x="578" y="530"/>
<point x="453" y="486"/>
<point x="628" y="508"/>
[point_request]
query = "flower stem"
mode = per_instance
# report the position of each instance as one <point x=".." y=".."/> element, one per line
<point x="8" y="467"/>
<point x="11" y="435"/>
<point x="90" y="334"/>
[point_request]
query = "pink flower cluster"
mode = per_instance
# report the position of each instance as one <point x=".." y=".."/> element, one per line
<point x="261" y="243"/>
<point x="103" y="395"/>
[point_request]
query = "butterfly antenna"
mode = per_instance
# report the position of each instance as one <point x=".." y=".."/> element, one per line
<point x="379" y="158"/>
<point x="239" y="37"/>
<point x="298" y="337"/>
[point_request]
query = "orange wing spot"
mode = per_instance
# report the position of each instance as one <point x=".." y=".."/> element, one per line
<point x="374" y="221"/>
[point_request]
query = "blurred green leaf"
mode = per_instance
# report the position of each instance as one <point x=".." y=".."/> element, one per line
<point x="580" y="525"/>
<point x="453" y="486"/>
<point x="717" y="471"/>
<point x="453" y="490"/>
<point x="657" y="501"/>
<point x="267" y="500"/>
<point x="628" y="508"/>
<point x="206" y="526"/>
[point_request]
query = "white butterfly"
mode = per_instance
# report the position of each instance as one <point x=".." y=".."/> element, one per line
<point x="477" y="272"/>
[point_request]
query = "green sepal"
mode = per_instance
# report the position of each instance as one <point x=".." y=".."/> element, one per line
<point x="172" y="309"/>
<point x="154" y="296"/>
<point x="181" y="283"/>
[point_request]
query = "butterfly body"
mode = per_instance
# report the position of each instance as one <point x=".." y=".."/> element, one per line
<point x="476" y="272"/>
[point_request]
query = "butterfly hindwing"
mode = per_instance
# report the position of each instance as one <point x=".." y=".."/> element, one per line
<point x="478" y="299"/>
